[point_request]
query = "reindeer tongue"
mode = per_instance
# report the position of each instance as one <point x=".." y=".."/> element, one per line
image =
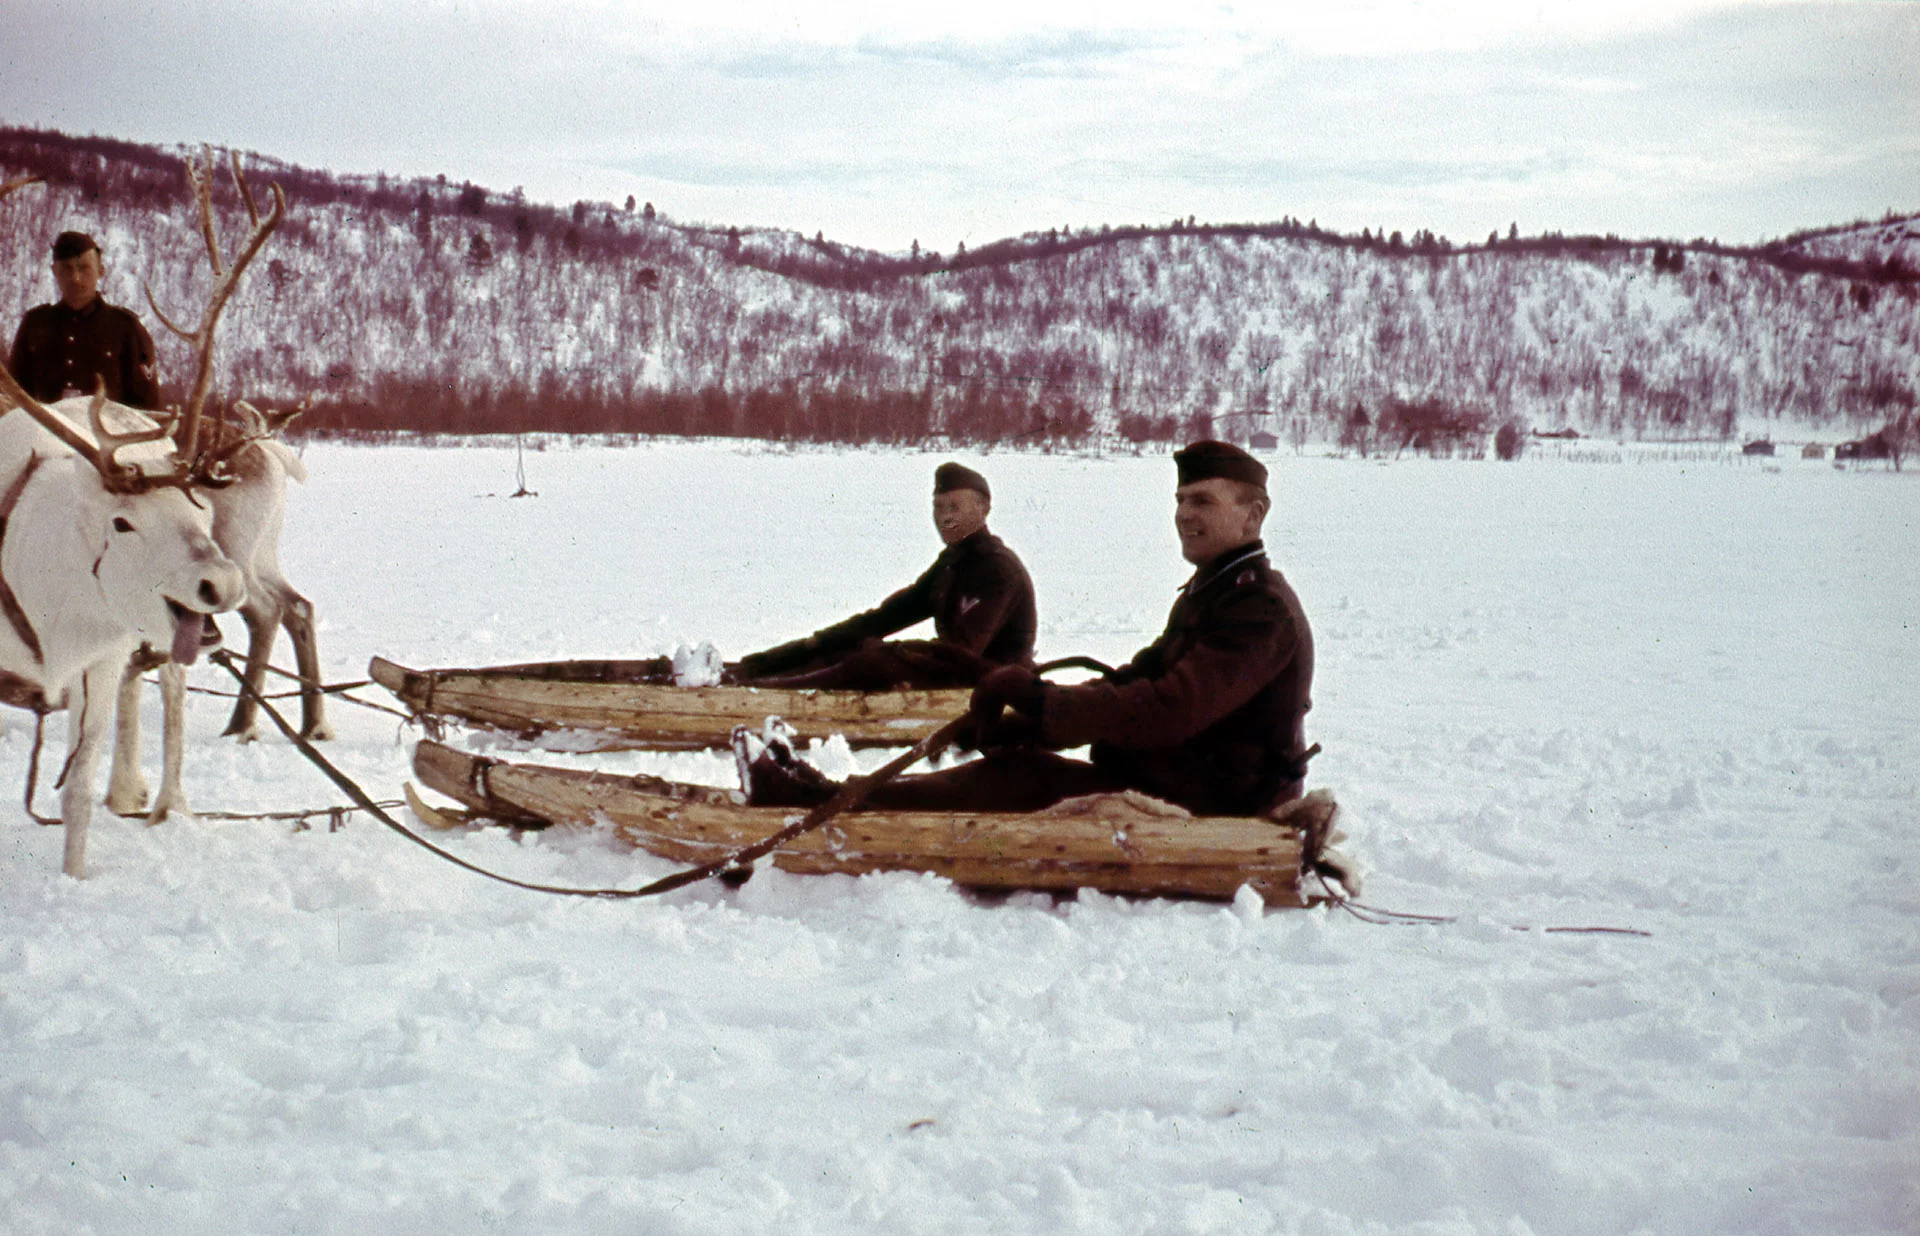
<point x="189" y="632"/>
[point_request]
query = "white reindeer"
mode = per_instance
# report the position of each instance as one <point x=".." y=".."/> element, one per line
<point x="247" y="518"/>
<point x="110" y="554"/>
<point x="244" y="471"/>
<point x="248" y="512"/>
<point x="101" y="549"/>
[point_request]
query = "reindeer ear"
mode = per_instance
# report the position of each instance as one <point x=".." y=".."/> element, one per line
<point x="251" y="420"/>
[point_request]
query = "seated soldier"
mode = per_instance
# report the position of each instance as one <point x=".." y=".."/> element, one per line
<point x="1211" y="716"/>
<point x="75" y="344"/>
<point x="977" y="593"/>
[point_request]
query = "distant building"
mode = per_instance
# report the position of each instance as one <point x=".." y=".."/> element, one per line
<point x="1874" y="446"/>
<point x="1813" y="450"/>
<point x="1261" y="440"/>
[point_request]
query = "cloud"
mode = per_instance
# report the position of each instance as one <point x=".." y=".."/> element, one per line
<point x="880" y="124"/>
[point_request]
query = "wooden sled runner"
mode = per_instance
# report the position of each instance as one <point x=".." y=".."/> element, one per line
<point x="626" y="705"/>
<point x="1117" y="843"/>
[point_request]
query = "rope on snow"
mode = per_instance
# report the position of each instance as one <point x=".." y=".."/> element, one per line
<point x="1382" y="917"/>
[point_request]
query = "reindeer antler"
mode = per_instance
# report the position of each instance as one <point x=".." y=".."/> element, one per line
<point x="248" y="425"/>
<point x="116" y="476"/>
<point x="109" y="444"/>
<point x="225" y="279"/>
<point x="276" y="421"/>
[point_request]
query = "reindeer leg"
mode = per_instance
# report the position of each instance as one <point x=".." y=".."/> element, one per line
<point x="87" y="726"/>
<point x="126" y="788"/>
<point x="173" y="690"/>
<point x="297" y="617"/>
<point x="262" y="629"/>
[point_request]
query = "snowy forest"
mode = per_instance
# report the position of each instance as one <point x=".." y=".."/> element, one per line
<point x="441" y="307"/>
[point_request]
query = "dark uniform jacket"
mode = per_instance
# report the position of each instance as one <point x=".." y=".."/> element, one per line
<point x="59" y="350"/>
<point x="1212" y="714"/>
<point x="978" y="594"/>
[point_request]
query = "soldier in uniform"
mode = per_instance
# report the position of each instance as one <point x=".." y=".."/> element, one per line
<point x="1211" y="716"/>
<point x="73" y="345"/>
<point x="977" y="592"/>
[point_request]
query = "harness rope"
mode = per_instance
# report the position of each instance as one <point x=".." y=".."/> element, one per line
<point x="1381" y="917"/>
<point x="849" y="796"/>
<point x="338" y="690"/>
<point x="336" y="814"/>
<point x="33" y="768"/>
<point x="40" y="711"/>
<point x="10" y="604"/>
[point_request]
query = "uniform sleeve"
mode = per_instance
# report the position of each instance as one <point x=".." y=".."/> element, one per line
<point x="993" y="590"/>
<point x="20" y="358"/>
<point x="1143" y="664"/>
<point x="911" y="604"/>
<point x="1161" y="707"/>
<point x="140" y="384"/>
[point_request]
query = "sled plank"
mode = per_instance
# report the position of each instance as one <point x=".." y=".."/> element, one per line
<point x="1193" y="856"/>
<point x="607" y="707"/>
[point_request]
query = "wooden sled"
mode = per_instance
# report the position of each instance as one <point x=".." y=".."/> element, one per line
<point x="1117" y="843"/>
<point x="627" y="705"/>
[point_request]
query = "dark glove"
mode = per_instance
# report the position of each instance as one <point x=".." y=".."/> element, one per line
<point x="1010" y="687"/>
<point x="779" y="659"/>
<point x="1013" y="729"/>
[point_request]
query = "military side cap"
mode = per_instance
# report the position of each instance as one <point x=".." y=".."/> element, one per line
<point x="72" y="245"/>
<point x="951" y="476"/>
<point x="1205" y="460"/>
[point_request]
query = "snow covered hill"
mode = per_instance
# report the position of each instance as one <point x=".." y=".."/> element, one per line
<point x="446" y="307"/>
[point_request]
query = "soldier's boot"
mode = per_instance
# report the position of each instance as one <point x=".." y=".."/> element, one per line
<point x="777" y="777"/>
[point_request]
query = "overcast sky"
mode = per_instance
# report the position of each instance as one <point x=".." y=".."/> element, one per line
<point x="1678" y="118"/>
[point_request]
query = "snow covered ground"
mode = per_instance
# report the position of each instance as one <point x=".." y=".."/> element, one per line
<point x="1681" y="697"/>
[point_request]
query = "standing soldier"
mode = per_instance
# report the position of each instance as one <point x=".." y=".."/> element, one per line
<point x="80" y="341"/>
<point x="977" y="592"/>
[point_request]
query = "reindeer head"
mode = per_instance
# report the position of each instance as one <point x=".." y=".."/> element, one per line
<point x="158" y="569"/>
<point x="215" y="466"/>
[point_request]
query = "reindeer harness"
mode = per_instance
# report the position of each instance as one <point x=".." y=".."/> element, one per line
<point x="10" y="603"/>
